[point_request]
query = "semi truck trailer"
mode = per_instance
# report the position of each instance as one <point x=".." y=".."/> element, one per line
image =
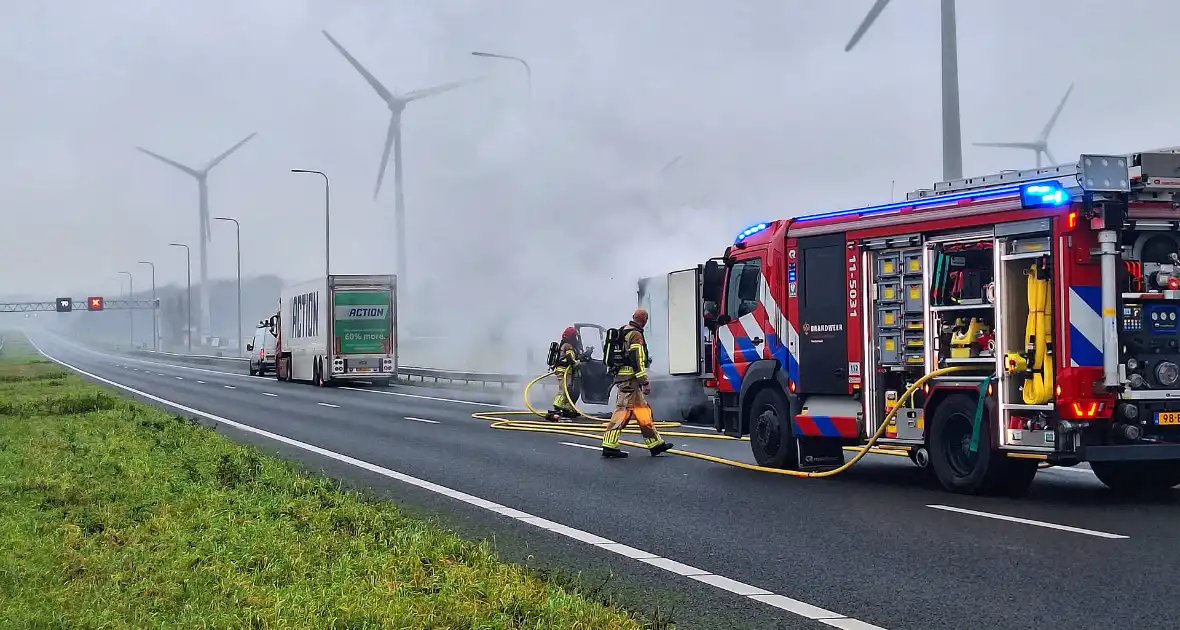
<point x="338" y="328"/>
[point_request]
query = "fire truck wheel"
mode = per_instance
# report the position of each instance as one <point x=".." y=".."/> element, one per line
<point x="772" y="437"/>
<point x="1136" y="478"/>
<point x="985" y="471"/>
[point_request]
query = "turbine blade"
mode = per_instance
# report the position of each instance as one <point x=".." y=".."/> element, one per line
<point x="1052" y="160"/>
<point x="1009" y="145"/>
<point x="381" y="91"/>
<point x="394" y="123"/>
<point x="438" y="89"/>
<point x="871" y="17"/>
<point x="1053" y="119"/>
<point x="189" y="170"/>
<point x="217" y="160"/>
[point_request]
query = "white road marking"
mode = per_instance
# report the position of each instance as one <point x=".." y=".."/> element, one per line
<point x="229" y="387"/>
<point x="324" y="404"/>
<point x="1074" y="469"/>
<point x="1025" y="521"/>
<point x="180" y="378"/>
<point x="202" y="382"/>
<point x="421" y="420"/>
<point x="270" y="394"/>
<point x="585" y="446"/>
<point x="781" y="602"/>
<point x="451" y="400"/>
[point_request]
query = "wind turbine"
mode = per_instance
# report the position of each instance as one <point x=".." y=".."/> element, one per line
<point x="201" y="175"/>
<point x="952" y="140"/>
<point x="1041" y="144"/>
<point x="393" y="138"/>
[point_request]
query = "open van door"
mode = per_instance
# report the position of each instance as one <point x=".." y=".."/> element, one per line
<point x="596" y="383"/>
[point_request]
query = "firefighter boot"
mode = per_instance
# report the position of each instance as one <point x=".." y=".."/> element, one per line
<point x="656" y="445"/>
<point x="610" y="443"/>
<point x="613" y="453"/>
<point x="554" y="415"/>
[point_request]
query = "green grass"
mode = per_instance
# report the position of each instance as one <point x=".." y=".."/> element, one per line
<point x="116" y="515"/>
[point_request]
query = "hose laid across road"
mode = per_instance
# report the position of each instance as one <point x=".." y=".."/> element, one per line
<point x="596" y="429"/>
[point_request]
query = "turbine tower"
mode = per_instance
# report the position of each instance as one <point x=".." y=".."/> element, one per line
<point x="952" y="140"/>
<point x="201" y="175"/>
<point x="1041" y="144"/>
<point x="393" y="138"/>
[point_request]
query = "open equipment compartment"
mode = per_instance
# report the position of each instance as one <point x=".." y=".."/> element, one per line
<point x="896" y="345"/>
<point x="960" y="285"/>
<point x="1025" y="285"/>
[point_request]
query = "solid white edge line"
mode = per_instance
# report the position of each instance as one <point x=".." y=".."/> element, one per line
<point x="421" y="420"/>
<point x="237" y="375"/>
<point x="1025" y="521"/>
<point x="781" y="602"/>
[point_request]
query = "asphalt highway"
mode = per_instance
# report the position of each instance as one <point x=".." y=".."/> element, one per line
<point x="708" y="545"/>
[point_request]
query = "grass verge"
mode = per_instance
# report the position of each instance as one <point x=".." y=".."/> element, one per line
<point x="118" y="515"/>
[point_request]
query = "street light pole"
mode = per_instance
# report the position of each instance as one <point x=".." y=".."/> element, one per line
<point x="327" y="214"/>
<point x="130" y="311"/>
<point x="528" y="72"/>
<point x="238" y="232"/>
<point x="188" y="301"/>
<point x="155" y="309"/>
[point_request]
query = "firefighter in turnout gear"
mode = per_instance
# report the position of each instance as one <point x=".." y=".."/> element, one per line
<point x="628" y="360"/>
<point x="569" y="356"/>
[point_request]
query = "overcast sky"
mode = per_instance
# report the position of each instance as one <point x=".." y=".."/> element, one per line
<point x="511" y="202"/>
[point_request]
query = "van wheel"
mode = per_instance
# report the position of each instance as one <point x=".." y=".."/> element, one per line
<point x="252" y="371"/>
<point x="986" y="471"/>
<point x="772" y="434"/>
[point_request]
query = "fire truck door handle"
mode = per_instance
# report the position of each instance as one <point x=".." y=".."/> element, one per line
<point x="757" y="340"/>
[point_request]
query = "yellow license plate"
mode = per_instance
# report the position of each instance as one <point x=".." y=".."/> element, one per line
<point x="364" y="369"/>
<point x="1168" y="417"/>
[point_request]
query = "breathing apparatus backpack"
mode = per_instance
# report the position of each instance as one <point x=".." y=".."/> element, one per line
<point x="615" y="353"/>
<point x="551" y="360"/>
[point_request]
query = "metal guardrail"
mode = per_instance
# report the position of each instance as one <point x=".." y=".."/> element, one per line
<point x="406" y="372"/>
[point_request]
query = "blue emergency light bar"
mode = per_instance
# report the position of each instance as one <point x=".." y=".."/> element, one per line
<point x="1043" y="195"/>
<point x="937" y="200"/>
<point x="750" y="231"/>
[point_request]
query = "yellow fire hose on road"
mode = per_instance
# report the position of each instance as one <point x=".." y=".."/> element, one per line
<point x="595" y="429"/>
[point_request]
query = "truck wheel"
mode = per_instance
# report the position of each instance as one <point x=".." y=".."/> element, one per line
<point x="772" y="434"/>
<point x="1135" y="478"/>
<point x="986" y="471"/>
<point x="317" y="377"/>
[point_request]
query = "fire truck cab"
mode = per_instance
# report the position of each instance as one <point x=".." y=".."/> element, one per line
<point x="1033" y="314"/>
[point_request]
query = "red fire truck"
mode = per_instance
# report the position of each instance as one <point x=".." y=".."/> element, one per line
<point x="1055" y="293"/>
